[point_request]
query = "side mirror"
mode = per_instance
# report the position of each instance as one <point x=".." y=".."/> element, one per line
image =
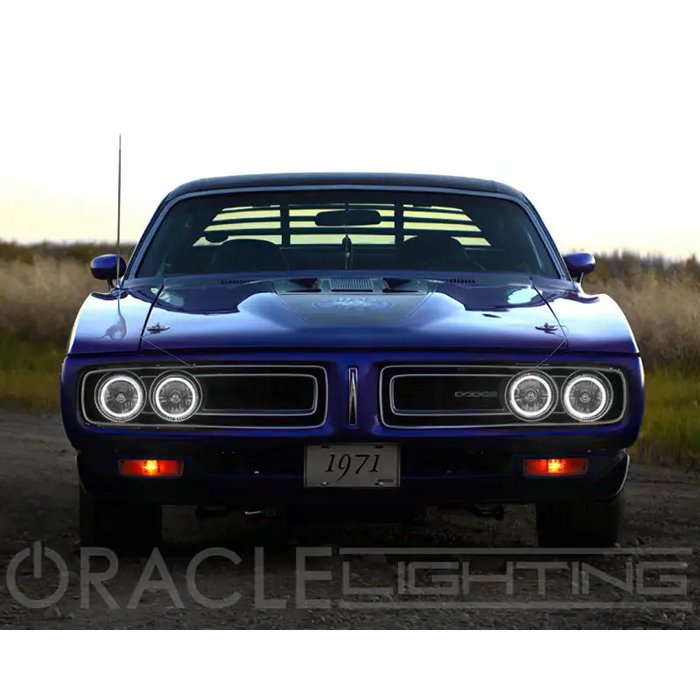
<point x="579" y="264"/>
<point x="108" y="267"/>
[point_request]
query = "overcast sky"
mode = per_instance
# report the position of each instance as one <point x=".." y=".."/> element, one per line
<point x="591" y="109"/>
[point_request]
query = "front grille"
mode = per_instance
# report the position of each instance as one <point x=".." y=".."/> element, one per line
<point x="259" y="393"/>
<point x="464" y="396"/>
<point x="427" y="393"/>
<point x="244" y="396"/>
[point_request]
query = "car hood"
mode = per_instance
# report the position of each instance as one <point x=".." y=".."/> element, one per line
<point x="271" y="314"/>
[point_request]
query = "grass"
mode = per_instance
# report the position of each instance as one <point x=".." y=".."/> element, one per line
<point x="43" y="286"/>
<point x="29" y="373"/>
<point x="671" y="428"/>
<point x="39" y="301"/>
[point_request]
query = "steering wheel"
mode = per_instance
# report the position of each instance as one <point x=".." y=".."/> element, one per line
<point x="470" y="264"/>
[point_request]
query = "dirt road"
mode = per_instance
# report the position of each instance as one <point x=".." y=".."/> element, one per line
<point x="651" y="580"/>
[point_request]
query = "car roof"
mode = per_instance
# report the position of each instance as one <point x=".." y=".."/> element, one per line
<point x="388" y="180"/>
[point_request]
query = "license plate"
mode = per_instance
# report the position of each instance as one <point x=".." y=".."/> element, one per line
<point x="352" y="466"/>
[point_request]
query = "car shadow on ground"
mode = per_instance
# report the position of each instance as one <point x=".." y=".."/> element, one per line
<point x="184" y="536"/>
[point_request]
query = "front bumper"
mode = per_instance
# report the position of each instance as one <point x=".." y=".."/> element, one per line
<point x="265" y="478"/>
<point x="254" y="468"/>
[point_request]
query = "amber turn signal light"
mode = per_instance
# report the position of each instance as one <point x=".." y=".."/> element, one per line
<point x="150" y="467"/>
<point x="552" y="467"/>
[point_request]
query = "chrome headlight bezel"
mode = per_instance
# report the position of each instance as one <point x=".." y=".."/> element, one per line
<point x="186" y="379"/>
<point x="133" y="381"/>
<point x="221" y="407"/>
<point x="546" y="381"/>
<point x="604" y="385"/>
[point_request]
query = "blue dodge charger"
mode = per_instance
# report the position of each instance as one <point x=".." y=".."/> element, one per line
<point x="356" y="345"/>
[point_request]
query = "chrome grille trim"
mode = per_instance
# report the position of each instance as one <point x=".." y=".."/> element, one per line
<point x="265" y="412"/>
<point x="436" y="412"/>
<point x="352" y="397"/>
<point x="493" y="370"/>
<point x="203" y="370"/>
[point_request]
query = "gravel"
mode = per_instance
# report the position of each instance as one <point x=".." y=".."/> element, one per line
<point x="457" y="587"/>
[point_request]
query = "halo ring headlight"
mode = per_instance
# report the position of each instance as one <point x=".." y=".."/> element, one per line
<point x="531" y="396"/>
<point x="175" y="397"/>
<point x="120" y="397"/>
<point x="587" y="396"/>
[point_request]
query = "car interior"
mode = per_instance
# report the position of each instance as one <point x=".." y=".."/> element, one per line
<point x="423" y="252"/>
<point x="359" y="235"/>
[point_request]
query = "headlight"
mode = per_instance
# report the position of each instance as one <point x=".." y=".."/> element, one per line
<point x="587" y="396"/>
<point x="175" y="397"/>
<point x="531" y="395"/>
<point x="120" y="397"/>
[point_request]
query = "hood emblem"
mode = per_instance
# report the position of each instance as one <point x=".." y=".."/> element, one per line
<point x="547" y="328"/>
<point x="157" y="328"/>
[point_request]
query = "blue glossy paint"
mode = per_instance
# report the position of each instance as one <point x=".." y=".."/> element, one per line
<point x="332" y="320"/>
<point x="111" y="323"/>
<point x="579" y="264"/>
<point x="107" y="267"/>
<point x="500" y="319"/>
<point x="504" y="316"/>
<point x="593" y="323"/>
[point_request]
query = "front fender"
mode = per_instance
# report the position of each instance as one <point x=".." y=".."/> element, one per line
<point x="111" y="323"/>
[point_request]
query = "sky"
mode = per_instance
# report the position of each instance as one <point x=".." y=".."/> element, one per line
<point x="591" y="109"/>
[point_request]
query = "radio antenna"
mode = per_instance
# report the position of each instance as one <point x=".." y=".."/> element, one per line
<point x="119" y="210"/>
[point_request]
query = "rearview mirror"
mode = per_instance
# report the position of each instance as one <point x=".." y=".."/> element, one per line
<point x="348" y="217"/>
<point x="579" y="264"/>
<point x="108" y="267"/>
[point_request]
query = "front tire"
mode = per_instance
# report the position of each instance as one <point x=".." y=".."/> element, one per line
<point x="125" y="528"/>
<point x="580" y="523"/>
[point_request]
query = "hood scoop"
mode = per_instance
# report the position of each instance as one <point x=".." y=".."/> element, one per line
<point x="332" y="285"/>
<point x="351" y="284"/>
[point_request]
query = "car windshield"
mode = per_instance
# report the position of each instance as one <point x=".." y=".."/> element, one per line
<point x="335" y="230"/>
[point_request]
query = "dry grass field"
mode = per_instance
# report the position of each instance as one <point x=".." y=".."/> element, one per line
<point x="42" y="288"/>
